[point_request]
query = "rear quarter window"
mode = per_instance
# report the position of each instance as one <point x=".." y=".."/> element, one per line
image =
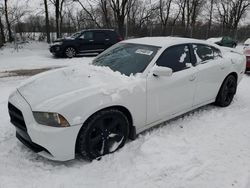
<point x="204" y="53"/>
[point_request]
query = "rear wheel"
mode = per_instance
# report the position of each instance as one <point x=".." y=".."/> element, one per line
<point x="227" y="92"/>
<point x="104" y="133"/>
<point x="70" y="52"/>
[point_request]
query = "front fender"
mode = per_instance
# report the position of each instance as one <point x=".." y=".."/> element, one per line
<point x="77" y="107"/>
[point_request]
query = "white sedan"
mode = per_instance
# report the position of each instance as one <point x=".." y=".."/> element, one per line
<point x="91" y="110"/>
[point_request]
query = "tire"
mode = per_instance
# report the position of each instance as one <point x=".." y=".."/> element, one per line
<point x="70" y="52"/>
<point x="104" y="133"/>
<point x="227" y="92"/>
<point x="234" y="45"/>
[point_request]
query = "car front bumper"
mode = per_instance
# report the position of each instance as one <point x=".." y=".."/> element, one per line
<point x="56" y="50"/>
<point x="51" y="142"/>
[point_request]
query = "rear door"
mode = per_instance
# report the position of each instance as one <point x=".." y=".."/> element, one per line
<point x="100" y="41"/>
<point x="211" y="71"/>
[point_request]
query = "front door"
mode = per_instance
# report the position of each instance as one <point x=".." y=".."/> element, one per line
<point x="86" y="42"/>
<point x="167" y="96"/>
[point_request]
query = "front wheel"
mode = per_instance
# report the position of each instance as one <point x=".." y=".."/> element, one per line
<point x="104" y="133"/>
<point x="227" y="92"/>
<point x="70" y="52"/>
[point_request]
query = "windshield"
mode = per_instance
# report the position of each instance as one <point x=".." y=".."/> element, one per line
<point x="75" y="35"/>
<point x="127" y="58"/>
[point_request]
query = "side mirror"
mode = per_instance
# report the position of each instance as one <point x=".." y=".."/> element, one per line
<point x="162" y="71"/>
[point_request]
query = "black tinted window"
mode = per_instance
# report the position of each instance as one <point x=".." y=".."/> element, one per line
<point x="176" y="58"/>
<point x="100" y="36"/>
<point x="87" y="36"/>
<point x="205" y="53"/>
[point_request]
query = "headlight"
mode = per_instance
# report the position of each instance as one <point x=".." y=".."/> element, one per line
<point x="50" y="119"/>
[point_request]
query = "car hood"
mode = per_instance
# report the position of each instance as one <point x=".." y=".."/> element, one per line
<point x="46" y="87"/>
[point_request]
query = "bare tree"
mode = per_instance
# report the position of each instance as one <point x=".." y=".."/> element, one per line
<point x="231" y="12"/>
<point x="164" y="12"/>
<point x="7" y="20"/>
<point x="47" y="21"/>
<point x="211" y="10"/>
<point x="193" y="9"/>
<point x="120" y="10"/>
<point x="104" y="5"/>
<point x="58" y="4"/>
<point x="90" y="12"/>
<point x="2" y="36"/>
<point x="180" y="5"/>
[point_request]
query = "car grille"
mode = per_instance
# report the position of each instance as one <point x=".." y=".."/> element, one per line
<point x="16" y="117"/>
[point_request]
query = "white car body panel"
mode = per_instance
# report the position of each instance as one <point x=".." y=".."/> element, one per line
<point x="78" y="92"/>
<point x="166" y="101"/>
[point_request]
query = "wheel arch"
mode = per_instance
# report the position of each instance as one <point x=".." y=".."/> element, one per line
<point x="234" y="74"/>
<point x="124" y="110"/>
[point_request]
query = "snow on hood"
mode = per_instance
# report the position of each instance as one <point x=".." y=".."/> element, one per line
<point x="82" y="78"/>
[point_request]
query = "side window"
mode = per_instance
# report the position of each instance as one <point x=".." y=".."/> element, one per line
<point x="100" y="36"/>
<point x="87" y="36"/>
<point x="203" y="53"/>
<point x="176" y="58"/>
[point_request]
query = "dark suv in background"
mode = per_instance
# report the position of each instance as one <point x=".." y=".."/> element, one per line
<point x="85" y="42"/>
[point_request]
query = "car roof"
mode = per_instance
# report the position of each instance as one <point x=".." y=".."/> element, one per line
<point x="164" y="41"/>
<point x="97" y="30"/>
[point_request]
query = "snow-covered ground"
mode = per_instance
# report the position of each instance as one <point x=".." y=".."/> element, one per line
<point x="207" y="148"/>
<point x="33" y="56"/>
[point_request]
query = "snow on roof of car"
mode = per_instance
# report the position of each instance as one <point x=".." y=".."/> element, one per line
<point x="163" y="41"/>
<point x="214" y="40"/>
<point x="247" y="41"/>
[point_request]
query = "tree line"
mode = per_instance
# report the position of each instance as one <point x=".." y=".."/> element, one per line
<point x="131" y="18"/>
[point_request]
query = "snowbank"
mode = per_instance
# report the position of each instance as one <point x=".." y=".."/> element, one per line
<point x="206" y="148"/>
<point x="34" y="55"/>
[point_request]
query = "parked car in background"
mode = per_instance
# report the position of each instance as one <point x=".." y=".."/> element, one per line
<point x="93" y="41"/>
<point x="224" y="41"/>
<point x="93" y="109"/>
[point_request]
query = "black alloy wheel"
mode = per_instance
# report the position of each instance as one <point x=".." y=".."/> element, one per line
<point x="227" y="92"/>
<point x="104" y="133"/>
<point x="70" y="52"/>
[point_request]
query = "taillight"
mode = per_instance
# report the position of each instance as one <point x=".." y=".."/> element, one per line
<point x="248" y="59"/>
<point x="119" y="39"/>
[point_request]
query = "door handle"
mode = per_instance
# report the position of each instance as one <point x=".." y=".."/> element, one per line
<point x="192" y="78"/>
<point x="91" y="40"/>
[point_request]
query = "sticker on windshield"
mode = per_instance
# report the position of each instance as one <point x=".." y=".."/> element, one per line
<point x="144" y="52"/>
